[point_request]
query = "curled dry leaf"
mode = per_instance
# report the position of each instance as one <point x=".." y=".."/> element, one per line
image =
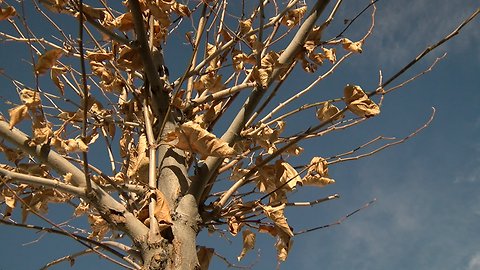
<point x="162" y="209"/>
<point x="55" y="73"/>
<point x="351" y="46"/>
<point x="248" y="243"/>
<point x="293" y="16"/>
<point x="182" y="10"/>
<point x="39" y="199"/>
<point x="124" y="22"/>
<point x="47" y="60"/>
<point x="17" y="114"/>
<point x="277" y="216"/>
<point x="99" y="56"/>
<point x="327" y="111"/>
<point x="239" y="60"/>
<point x="130" y="58"/>
<point x="283" y="232"/>
<point x="99" y="227"/>
<point x="6" y="13"/>
<point x="30" y="98"/>
<point x="234" y="226"/>
<point x="330" y="55"/>
<point x="317" y="173"/>
<point x="262" y="74"/>
<point x="204" y="255"/>
<point x="358" y="102"/>
<point x="246" y="27"/>
<point x="191" y="136"/>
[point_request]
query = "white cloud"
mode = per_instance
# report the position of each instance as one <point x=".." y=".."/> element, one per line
<point x="474" y="263"/>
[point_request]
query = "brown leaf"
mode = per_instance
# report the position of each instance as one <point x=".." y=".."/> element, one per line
<point x="277" y="216"/>
<point x="181" y="10"/>
<point x="6" y="13"/>
<point x="99" y="227"/>
<point x="191" y="136"/>
<point x="248" y="243"/>
<point x="351" y="46"/>
<point x="330" y="55"/>
<point x="130" y="58"/>
<point x="293" y="17"/>
<point x="162" y="210"/>
<point x="358" y="102"/>
<point x="327" y="111"/>
<point x="30" y="98"/>
<point x="317" y="173"/>
<point x="204" y="255"/>
<point x="55" y="73"/>
<point x="74" y="145"/>
<point x="124" y="22"/>
<point x="48" y="60"/>
<point x="17" y="114"/>
<point x="234" y="226"/>
<point x="99" y="56"/>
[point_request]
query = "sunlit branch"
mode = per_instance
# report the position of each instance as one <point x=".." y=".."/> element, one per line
<point x="59" y="230"/>
<point x="428" y="50"/>
<point x="386" y="145"/>
<point x="430" y="68"/>
<point x="41" y="181"/>
<point x="338" y="222"/>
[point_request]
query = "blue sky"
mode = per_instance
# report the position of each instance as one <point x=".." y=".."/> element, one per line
<point x="427" y="212"/>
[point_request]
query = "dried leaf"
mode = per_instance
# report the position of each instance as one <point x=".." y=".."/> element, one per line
<point x="246" y="27"/>
<point x="55" y="73"/>
<point x="330" y="55"/>
<point x="358" y="102"/>
<point x="293" y="17"/>
<point x="317" y="173"/>
<point x="99" y="56"/>
<point x="124" y="22"/>
<point x="204" y="255"/>
<point x="162" y="210"/>
<point x="6" y="13"/>
<point x="287" y="174"/>
<point x="191" y="136"/>
<point x="81" y="209"/>
<point x="277" y="216"/>
<point x="327" y="111"/>
<point x="30" y="98"/>
<point x="351" y="46"/>
<point x="248" y="243"/>
<point x="48" y="60"/>
<point x="130" y="58"/>
<point x="17" y="114"/>
<point x="234" y="226"/>
<point x="99" y="227"/>
<point x="74" y="145"/>
<point x="182" y="10"/>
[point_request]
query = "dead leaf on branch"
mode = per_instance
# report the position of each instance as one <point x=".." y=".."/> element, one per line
<point x="283" y="231"/>
<point x="234" y="225"/>
<point x="38" y="201"/>
<point x="246" y="27"/>
<point x="48" y="60"/>
<point x="17" y="114"/>
<point x="161" y="213"/>
<point x="55" y="74"/>
<point x="358" y="102"/>
<point x="6" y="13"/>
<point x="248" y="243"/>
<point x="204" y="255"/>
<point x="30" y="98"/>
<point x="124" y="22"/>
<point x="293" y="16"/>
<point x="351" y="46"/>
<point x="327" y="111"/>
<point x="191" y="136"/>
<point x="99" y="227"/>
<point x="317" y="173"/>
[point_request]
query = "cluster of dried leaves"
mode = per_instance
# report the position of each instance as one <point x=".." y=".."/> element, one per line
<point x="114" y="111"/>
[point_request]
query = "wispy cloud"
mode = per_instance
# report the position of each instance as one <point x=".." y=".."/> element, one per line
<point x="474" y="263"/>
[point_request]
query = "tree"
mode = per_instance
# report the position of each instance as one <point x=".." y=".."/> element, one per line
<point x="161" y="185"/>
